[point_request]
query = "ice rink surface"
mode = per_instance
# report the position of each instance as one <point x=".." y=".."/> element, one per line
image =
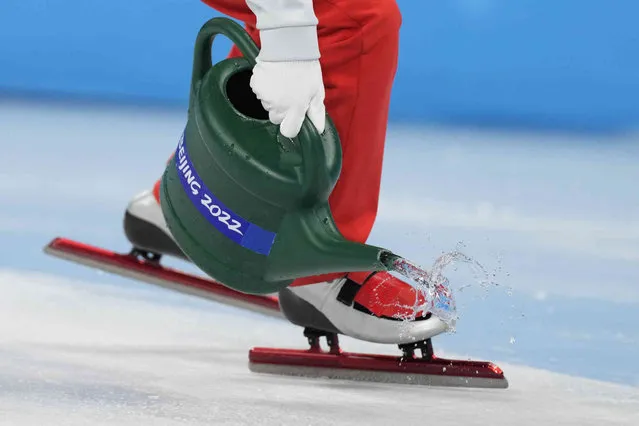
<point x="74" y="354"/>
<point x="554" y="220"/>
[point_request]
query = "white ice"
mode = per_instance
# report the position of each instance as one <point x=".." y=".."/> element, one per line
<point x="74" y="353"/>
<point x="82" y="348"/>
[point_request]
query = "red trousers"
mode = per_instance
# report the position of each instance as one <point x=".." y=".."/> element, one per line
<point x="358" y="42"/>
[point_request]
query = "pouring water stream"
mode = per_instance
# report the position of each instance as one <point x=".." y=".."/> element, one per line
<point x="433" y="288"/>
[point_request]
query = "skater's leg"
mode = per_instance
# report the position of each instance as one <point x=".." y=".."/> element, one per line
<point x="359" y="46"/>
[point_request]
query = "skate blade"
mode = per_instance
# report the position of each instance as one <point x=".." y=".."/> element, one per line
<point x="378" y="376"/>
<point x="377" y="368"/>
<point x="128" y="266"/>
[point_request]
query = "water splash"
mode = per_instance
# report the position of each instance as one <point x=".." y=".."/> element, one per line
<point x="434" y="291"/>
<point x="434" y="294"/>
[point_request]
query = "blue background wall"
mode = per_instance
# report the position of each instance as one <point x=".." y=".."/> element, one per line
<point x="570" y="64"/>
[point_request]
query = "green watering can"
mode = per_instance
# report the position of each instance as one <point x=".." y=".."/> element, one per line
<point x="247" y="205"/>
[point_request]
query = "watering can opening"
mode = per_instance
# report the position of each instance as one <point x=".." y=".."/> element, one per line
<point x="242" y="98"/>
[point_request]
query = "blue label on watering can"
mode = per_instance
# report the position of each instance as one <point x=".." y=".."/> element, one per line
<point x="229" y="223"/>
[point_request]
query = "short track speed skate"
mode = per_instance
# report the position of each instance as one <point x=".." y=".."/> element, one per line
<point x="415" y="363"/>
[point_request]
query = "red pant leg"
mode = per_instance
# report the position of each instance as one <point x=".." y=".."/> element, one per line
<point x="359" y="45"/>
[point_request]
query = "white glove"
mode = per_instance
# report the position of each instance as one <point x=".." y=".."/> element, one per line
<point x="289" y="90"/>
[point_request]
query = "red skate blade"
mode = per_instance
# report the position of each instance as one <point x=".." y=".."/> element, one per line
<point x="130" y="266"/>
<point x="377" y="368"/>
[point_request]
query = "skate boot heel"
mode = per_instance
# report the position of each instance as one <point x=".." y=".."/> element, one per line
<point x="146" y="230"/>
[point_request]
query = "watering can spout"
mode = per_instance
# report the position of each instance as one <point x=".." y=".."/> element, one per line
<point x="310" y="244"/>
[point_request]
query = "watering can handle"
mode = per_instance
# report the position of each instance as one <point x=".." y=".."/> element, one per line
<point x="316" y="183"/>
